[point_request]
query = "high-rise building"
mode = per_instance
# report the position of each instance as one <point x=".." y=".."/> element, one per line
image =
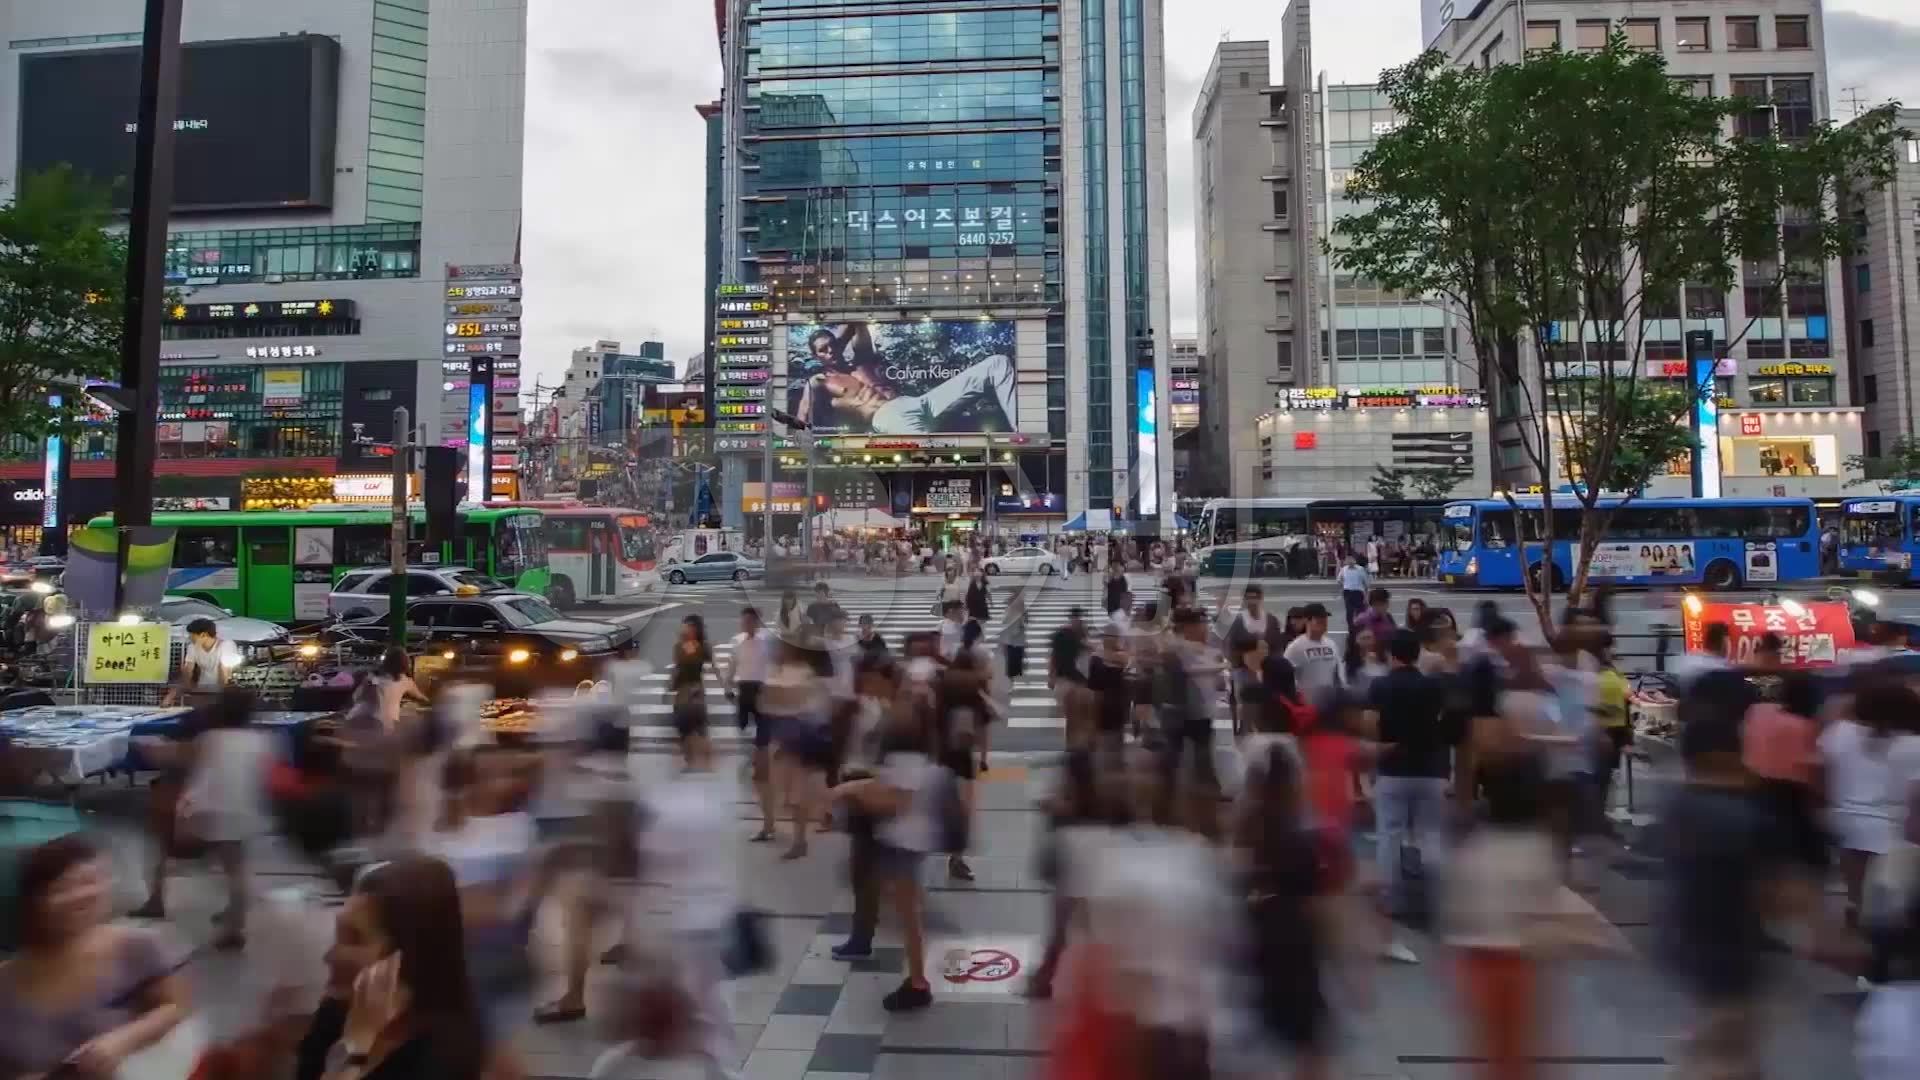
<point x="1783" y="387"/>
<point x="1882" y="283"/>
<point x="959" y="218"/>
<point x="332" y="161"/>
<point x="1244" y="232"/>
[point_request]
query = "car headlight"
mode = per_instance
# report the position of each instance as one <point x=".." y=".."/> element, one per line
<point x="1473" y="565"/>
<point x="519" y="656"/>
<point x="309" y="651"/>
<point x="568" y="656"/>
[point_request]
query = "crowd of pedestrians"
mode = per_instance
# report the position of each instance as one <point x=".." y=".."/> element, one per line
<point x="1217" y="908"/>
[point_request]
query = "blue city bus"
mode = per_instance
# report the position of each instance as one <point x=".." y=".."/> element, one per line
<point x="1878" y="535"/>
<point x="1718" y="543"/>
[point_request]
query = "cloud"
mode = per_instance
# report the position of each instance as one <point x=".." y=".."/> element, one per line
<point x="1875" y="56"/>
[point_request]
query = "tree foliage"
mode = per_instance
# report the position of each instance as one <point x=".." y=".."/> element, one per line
<point x="1898" y="467"/>
<point x="1562" y="206"/>
<point x="1392" y="484"/>
<point x="62" y="278"/>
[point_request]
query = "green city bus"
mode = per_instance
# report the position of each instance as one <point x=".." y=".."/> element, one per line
<point x="281" y="564"/>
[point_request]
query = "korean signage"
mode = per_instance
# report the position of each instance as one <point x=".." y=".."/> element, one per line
<point x="1814" y="636"/>
<point x="742" y="334"/>
<point x="261" y="310"/>
<point x="1616" y="561"/>
<point x="968" y="225"/>
<point x="1795" y="369"/>
<point x="1424" y="397"/>
<point x="281" y="352"/>
<point x="118" y="653"/>
<point x="485" y="344"/>
<point x="280" y="386"/>
<point x="946" y="495"/>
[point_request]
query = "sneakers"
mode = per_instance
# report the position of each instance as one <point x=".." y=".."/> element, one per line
<point x="907" y="998"/>
<point x="852" y="950"/>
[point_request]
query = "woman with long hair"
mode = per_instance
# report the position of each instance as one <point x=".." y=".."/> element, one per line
<point x="1865" y="803"/>
<point x="792" y="618"/>
<point x="81" y="995"/>
<point x="979" y="598"/>
<point x="796" y="700"/>
<point x="1363" y="662"/>
<point x="687" y="683"/>
<point x="400" y="1004"/>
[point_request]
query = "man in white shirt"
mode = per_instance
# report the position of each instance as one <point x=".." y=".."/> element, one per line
<point x="746" y="674"/>
<point x="1354" y="582"/>
<point x="203" y="671"/>
<point x="1315" y="660"/>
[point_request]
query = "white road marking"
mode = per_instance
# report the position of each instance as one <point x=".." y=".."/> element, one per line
<point x="631" y="616"/>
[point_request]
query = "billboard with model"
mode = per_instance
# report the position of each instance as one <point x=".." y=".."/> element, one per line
<point x="903" y="378"/>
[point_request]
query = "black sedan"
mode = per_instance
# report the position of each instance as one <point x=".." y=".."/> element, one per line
<point x="521" y="638"/>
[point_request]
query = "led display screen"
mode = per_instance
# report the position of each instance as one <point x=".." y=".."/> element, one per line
<point x="254" y="125"/>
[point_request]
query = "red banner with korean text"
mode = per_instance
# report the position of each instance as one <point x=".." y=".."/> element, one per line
<point x="1813" y="636"/>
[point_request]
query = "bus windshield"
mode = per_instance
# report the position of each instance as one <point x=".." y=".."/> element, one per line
<point x="1457" y="533"/>
<point x="520" y="545"/>
<point x="636" y="539"/>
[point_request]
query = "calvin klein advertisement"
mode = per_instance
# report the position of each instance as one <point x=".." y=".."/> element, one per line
<point x="903" y="378"/>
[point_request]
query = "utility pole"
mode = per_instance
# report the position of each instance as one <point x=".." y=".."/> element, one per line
<point x="402" y="471"/>
<point x="145" y="287"/>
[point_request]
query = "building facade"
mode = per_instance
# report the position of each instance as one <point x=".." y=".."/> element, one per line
<point x="1786" y="375"/>
<point x="963" y="210"/>
<point x="333" y="161"/>
<point x="1882" y="282"/>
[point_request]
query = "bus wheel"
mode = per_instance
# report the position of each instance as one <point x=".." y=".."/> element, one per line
<point x="1721" y="574"/>
<point x="1268" y="566"/>
<point x="562" y="590"/>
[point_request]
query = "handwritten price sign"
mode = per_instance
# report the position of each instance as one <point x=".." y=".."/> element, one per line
<point x="128" y="654"/>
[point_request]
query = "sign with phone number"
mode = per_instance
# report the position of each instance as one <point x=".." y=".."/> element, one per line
<point x="1814" y="636"/>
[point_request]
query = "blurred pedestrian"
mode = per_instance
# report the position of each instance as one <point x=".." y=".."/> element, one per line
<point x="979" y="598"/>
<point x="687" y="683"/>
<point x="748" y="666"/>
<point x="1364" y="661"/>
<point x="1866" y="801"/>
<point x="82" y="995"/>
<point x="797" y="699"/>
<point x="225" y="802"/>
<point x="1410" y="793"/>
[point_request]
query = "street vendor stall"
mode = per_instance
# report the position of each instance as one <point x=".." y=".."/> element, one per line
<point x="70" y="743"/>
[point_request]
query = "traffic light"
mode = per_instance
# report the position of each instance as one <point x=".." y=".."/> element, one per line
<point x="442" y="495"/>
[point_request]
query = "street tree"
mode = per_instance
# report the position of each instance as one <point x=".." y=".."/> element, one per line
<point x="1392" y="484"/>
<point x="1563" y="206"/>
<point x="62" y="279"/>
<point x="1898" y="467"/>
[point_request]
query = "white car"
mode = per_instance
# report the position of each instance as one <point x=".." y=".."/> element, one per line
<point x="360" y="593"/>
<point x="1025" y="560"/>
<point x="181" y="610"/>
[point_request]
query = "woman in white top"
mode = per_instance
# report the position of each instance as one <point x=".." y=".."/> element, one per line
<point x="1870" y="758"/>
<point x="797" y="700"/>
<point x="225" y="801"/>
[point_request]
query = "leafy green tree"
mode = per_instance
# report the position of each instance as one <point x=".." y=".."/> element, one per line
<point x="1389" y="485"/>
<point x="62" y="278"/>
<point x="1898" y="467"/>
<point x="1562" y="206"/>
<point x="1392" y="484"/>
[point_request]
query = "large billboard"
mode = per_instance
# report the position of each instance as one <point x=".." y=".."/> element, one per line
<point x="903" y="378"/>
<point x="254" y="127"/>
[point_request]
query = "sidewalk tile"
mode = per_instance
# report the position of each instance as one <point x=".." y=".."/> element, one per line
<point x="820" y="969"/>
<point x="776" y="1065"/>
<point x="911" y="1066"/>
<point x="964" y="1025"/>
<point x="859" y="1011"/>
<point x="815" y="1074"/>
<point x="846" y="1054"/>
<point x="791" y="1033"/>
<point x="804" y="999"/>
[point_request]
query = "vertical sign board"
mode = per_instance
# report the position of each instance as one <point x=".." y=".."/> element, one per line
<point x="483" y="309"/>
<point x="742" y="361"/>
<point x="53" y="540"/>
<point x="1147" y="469"/>
<point x="1706" y="414"/>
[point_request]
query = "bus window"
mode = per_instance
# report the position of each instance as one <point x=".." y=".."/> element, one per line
<point x="1784" y="521"/>
<point x="567" y="533"/>
<point x="478" y="552"/>
<point x="207" y="547"/>
<point x="1496" y="528"/>
<point x="363" y="545"/>
<point x="1457" y="533"/>
<point x="268" y="547"/>
<point x="636" y="540"/>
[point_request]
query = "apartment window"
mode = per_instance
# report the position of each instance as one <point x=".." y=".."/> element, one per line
<point x="1743" y="32"/>
<point x="1692" y="35"/>
<point x="1869" y="389"/>
<point x="1543" y="36"/>
<point x="1866" y="333"/>
<point x="1913" y="151"/>
<point x="1490" y="55"/>
<point x="1642" y="34"/>
<point x="1787" y="101"/>
<point x="1591" y="34"/>
<point x="1699" y="86"/>
<point x="1280" y="197"/>
<point x="1863" y="278"/>
<point x="1245" y="81"/>
<point x="1873" y="444"/>
<point x="1790" y="32"/>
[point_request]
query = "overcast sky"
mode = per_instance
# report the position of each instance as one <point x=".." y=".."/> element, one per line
<point x="616" y="157"/>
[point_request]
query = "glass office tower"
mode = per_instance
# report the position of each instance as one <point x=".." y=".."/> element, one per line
<point x="914" y="183"/>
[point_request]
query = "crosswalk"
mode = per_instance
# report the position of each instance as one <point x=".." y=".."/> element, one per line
<point x="1031" y="705"/>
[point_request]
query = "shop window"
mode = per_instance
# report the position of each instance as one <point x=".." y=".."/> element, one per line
<point x="1810" y="391"/>
<point x="1767" y="391"/>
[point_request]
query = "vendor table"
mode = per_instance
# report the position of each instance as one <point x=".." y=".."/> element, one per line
<point x="70" y="743"/>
